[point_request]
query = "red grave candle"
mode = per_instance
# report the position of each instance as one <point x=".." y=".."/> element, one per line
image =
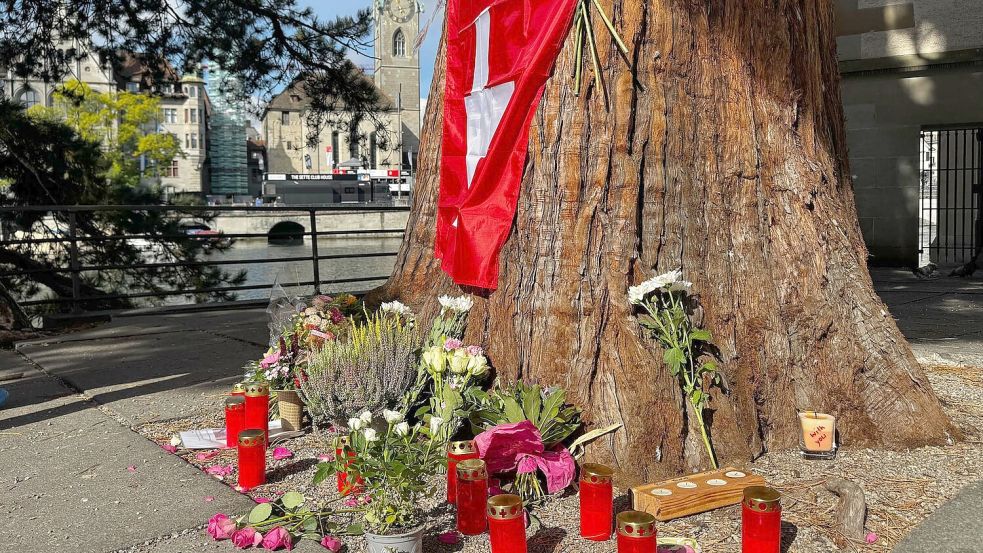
<point x="342" y="450"/>
<point x="596" y="502"/>
<point x="761" y="520"/>
<point x="506" y="524"/>
<point x="457" y="452"/>
<point x="636" y="532"/>
<point x="239" y="389"/>
<point x="252" y="458"/>
<point x="235" y="419"/>
<point x="258" y="408"/>
<point x="472" y="497"/>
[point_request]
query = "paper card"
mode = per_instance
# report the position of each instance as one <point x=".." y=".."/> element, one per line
<point x="214" y="438"/>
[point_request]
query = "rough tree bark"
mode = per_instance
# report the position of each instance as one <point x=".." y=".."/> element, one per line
<point x="729" y="160"/>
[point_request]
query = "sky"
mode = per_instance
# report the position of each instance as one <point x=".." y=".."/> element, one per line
<point x="428" y="51"/>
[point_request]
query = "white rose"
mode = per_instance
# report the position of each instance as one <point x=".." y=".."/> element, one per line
<point x="478" y="365"/>
<point x="460" y="304"/>
<point x="392" y="417"/>
<point x="435" y="359"/>
<point x="366" y="417"/>
<point x="435" y="423"/>
<point x="402" y="428"/>
<point x="370" y="435"/>
<point x="354" y="424"/>
<point x="459" y="362"/>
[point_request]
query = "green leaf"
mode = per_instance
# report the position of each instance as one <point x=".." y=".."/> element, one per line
<point x="709" y="367"/>
<point x="355" y="530"/>
<point x="292" y="500"/>
<point x="696" y="398"/>
<point x="532" y="401"/>
<point x="513" y="413"/>
<point x="674" y="357"/>
<point x="324" y="470"/>
<point x="260" y="513"/>
<point x="701" y="335"/>
<point x="310" y="524"/>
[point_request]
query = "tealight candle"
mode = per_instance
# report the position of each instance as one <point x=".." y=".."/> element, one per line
<point x="252" y="458"/>
<point x="818" y="439"/>
<point x="506" y="524"/>
<point x="457" y="452"/>
<point x="636" y="532"/>
<point x="239" y="389"/>
<point x="596" y="502"/>
<point x="472" y="496"/>
<point x="258" y="407"/>
<point x="761" y="520"/>
<point x="343" y="450"/>
<point x="235" y="419"/>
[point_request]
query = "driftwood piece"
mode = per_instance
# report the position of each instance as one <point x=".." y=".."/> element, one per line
<point x="851" y="512"/>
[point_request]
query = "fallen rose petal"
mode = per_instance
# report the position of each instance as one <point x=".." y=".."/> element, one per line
<point x="131" y="468"/>
<point x="331" y="543"/>
<point x="207" y="455"/>
<point x="325" y="457"/>
<point x="262" y="499"/>
<point x="169" y="448"/>
<point x="282" y="453"/>
<point x="871" y="537"/>
<point x="209" y="498"/>
<point x="219" y="470"/>
<point x="449" y="538"/>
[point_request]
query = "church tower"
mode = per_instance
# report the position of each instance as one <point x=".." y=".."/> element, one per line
<point x="397" y="65"/>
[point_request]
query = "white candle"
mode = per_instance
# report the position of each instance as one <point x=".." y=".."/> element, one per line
<point x="818" y="431"/>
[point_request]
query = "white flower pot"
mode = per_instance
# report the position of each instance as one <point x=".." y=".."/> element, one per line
<point x="410" y="542"/>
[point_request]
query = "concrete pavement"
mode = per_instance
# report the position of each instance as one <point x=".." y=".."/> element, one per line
<point x="66" y="440"/>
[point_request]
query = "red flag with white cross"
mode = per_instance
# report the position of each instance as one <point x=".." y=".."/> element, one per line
<point x="499" y="55"/>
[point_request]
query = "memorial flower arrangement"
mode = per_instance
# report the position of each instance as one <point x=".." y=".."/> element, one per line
<point x="454" y="372"/>
<point x="277" y="524"/>
<point x="278" y="366"/>
<point x="393" y="460"/>
<point x="666" y="300"/>
<point x="327" y="318"/>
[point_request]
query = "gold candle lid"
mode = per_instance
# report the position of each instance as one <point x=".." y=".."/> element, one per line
<point x="235" y="403"/>
<point x="463" y="447"/>
<point x="762" y="499"/>
<point x="505" y="507"/>
<point x="239" y="388"/>
<point x="341" y="442"/>
<point x="636" y="524"/>
<point x="252" y="437"/>
<point x="471" y="469"/>
<point x="596" y="473"/>
<point x="257" y="389"/>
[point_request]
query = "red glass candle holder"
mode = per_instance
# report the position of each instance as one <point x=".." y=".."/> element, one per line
<point x="636" y="532"/>
<point x="252" y="458"/>
<point x="506" y="524"/>
<point x="239" y="389"/>
<point x="235" y="419"/>
<point x="596" y="502"/>
<point x="343" y="450"/>
<point x="258" y="407"/>
<point x="457" y="452"/>
<point x="761" y="520"/>
<point x="472" y="497"/>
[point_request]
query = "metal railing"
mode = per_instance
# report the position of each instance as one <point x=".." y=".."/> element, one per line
<point x="72" y="239"/>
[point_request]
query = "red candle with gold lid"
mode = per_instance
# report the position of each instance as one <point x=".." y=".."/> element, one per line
<point x="636" y="532"/>
<point x="239" y="389"/>
<point x="596" y="501"/>
<point x="252" y="458"/>
<point x="506" y="524"/>
<point x="472" y="497"/>
<point x="457" y="452"/>
<point x="258" y="407"/>
<point x="342" y="450"/>
<point x="761" y="520"/>
<point x="235" y="419"/>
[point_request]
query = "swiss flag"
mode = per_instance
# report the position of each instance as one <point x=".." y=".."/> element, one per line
<point x="499" y="55"/>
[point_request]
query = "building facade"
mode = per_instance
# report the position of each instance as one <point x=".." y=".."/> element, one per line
<point x="287" y="130"/>
<point x="912" y="87"/>
<point x="184" y="111"/>
<point x="227" y="136"/>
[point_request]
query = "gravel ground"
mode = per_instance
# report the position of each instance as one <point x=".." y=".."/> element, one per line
<point x="902" y="487"/>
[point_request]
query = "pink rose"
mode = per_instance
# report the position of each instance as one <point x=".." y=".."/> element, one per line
<point x="452" y="344"/>
<point x="278" y="538"/>
<point x="169" y="448"/>
<point x="331" y="543"/>
<point x="281" y="453"/>
<point x="337" y="317"/>
<point x="247" y="537"/>
<point x="221" y="527"/>
<point x="475" y="351"/>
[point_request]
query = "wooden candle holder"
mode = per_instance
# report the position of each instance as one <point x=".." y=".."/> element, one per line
<point x="694" y="493"/>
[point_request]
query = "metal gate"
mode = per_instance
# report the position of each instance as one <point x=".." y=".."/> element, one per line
<point x="951" y="199"/>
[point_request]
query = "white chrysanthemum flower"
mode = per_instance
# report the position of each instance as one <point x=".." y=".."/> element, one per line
<point x="366" y="417"/>
<point x="681" y="286"/>
<point x="354" y="424"/>
<point x="460" y="304"/>
<point x="402" y="429"/>
<point x="435" y="423"/>
<point x="392" y="417"/>
<point x="370" y="434"/>
<point x="395" y="307"/>
<point x="638" y="293"/>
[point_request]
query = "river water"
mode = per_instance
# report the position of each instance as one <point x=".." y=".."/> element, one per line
<point x="303" y="271"/>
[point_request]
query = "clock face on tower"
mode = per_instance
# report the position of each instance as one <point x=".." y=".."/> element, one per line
<point x="401" y="11"/>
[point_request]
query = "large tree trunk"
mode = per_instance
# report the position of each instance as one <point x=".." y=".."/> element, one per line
<point x="727" y="159"/>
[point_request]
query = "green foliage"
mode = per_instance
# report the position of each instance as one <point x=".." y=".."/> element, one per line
<point x="546" y="408"/>
<point x="291" y="513"/>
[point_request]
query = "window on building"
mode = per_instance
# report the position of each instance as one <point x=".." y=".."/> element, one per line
<point x="185" y="115"/>
<point x="170" y="115"/>
<point x="372" y="147"/>
<point x="187" y="141"/>
<point x="132" y="87"/>
<point x="28" y="97"/>
<point x="284" y="117"/>
<point x="194" y="141"/>
<point x="399" y="44"/>
<point x="192" y="91"/>
<point x="335" y="147"/>
<point x="194" y="115"/>
<point x="169" y="88"/>
<point x="290" y="145"/>
<point x="171" y="169"/>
